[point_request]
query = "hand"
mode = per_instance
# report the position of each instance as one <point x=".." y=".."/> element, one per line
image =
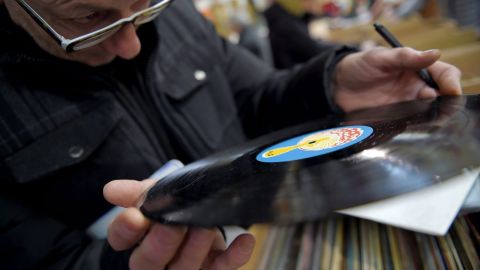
<point x="158" y="246"/>
<point x="383" y="76"/>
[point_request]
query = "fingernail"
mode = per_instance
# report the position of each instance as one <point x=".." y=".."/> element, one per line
<point x="428" y="52"/>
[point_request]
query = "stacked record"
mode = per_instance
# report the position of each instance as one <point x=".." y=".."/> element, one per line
<point x="350" y="243"/>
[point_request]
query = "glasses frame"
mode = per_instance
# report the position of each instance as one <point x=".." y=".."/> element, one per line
<point x="69" y="44"/>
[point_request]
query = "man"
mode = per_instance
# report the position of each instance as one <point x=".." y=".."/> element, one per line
<point x="289" y="36"/>
<point x="124" y="100"/>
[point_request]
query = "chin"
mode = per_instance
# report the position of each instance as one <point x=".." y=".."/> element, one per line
<point x="93" y="59"/>
<point x="98" y="62"/>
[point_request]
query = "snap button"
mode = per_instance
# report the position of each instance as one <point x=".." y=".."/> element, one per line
<point x="76" y="152"/>
<point x="200" y="75"/>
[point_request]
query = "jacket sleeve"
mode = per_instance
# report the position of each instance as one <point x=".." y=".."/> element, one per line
<point x="29" y="240"/>
<point x="270" y="99"/>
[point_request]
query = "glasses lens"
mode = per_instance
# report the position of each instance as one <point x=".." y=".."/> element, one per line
<point x="147" y="16"/>
<point x="95" y="39"/>
<point x="100" y="35"/>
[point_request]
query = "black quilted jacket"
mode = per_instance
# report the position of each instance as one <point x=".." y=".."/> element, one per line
<point x="66" y="129"/>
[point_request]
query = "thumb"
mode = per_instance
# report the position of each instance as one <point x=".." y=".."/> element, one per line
<point x="404" y="58"/>
<point x="413" y="59"/>
<point x="126" y="193"/>
<point x="429" y="56"/>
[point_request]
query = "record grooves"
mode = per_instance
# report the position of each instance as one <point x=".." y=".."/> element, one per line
<point x="334" y="163"/>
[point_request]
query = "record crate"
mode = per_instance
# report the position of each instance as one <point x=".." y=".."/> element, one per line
<point x="350" y="243"/>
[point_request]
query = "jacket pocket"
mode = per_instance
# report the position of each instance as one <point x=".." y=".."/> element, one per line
<point x="65" y="146"/>
<point x="200" y="99"/>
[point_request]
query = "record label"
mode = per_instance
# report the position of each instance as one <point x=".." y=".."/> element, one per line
<point x="315" y="144"/>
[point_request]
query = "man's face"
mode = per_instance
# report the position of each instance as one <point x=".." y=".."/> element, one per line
<point x="72" y="18"/>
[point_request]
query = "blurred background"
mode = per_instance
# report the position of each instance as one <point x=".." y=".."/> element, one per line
<point x="286" y="32"/>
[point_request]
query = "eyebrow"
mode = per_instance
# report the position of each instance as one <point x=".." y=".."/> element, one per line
<point x="67" y="7"/>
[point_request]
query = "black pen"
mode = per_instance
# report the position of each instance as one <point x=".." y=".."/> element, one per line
<point x="423" y="73"/>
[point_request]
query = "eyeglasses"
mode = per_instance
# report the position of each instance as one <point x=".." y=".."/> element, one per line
<point x="97" y="36"/>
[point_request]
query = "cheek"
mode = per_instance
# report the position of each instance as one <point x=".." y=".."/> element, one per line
<point x="40" y="37"/>
<point x="94" y="56"/>
<point x="93" y="52"/>
<point x="18" y="16"/>
<point x="140" y="4"/>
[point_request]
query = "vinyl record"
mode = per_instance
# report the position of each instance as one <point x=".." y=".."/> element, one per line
<point x="308" y="171"/>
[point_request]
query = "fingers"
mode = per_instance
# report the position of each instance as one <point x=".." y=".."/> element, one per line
<point x="447" y="77"/>
<point x="422" y="59"/>
<point x="218" y="247"/>
<point x="158" y="247"/>
<point x="427" y="93"/>
<point x="127" y="229"/>
<point x="125" y="193"/>
<point x="162" y="244"/>
<point x="405" y="58"/>
<point x="194" y="250"/>
<point x="237" y="254"/>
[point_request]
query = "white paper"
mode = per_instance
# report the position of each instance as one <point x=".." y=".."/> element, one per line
<point x="472" y="202"/>
<point x="430" y="210"/>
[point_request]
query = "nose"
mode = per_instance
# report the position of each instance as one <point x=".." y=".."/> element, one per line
<point x="125" y="43"/>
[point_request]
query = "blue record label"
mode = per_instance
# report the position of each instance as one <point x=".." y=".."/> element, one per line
<point x="315" y="144"/>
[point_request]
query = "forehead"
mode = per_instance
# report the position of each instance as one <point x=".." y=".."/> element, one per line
<point x="62" y="4"/>
<point x="56" y="2"/>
